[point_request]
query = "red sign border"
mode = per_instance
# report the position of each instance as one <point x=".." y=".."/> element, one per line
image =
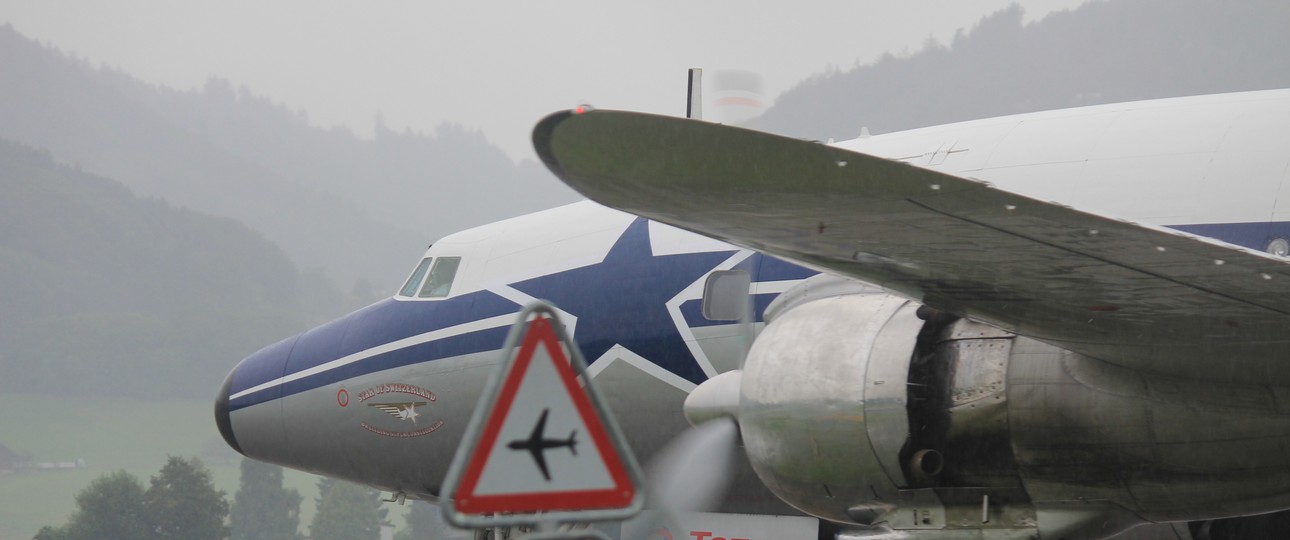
<point x="539" y="332"/>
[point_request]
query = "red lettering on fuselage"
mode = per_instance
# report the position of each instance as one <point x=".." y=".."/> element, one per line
<point x="707" y="535"/>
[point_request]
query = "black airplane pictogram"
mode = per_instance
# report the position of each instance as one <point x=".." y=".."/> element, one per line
<point x="537" y="445"/>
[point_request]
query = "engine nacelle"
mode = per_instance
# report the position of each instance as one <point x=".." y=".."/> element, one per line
<point x="864" y="408"/>
<point x="869" y="409"/>
<point x="823" y="405"/>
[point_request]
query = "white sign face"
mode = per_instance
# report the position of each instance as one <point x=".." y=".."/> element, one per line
<point x="543" y="446"/>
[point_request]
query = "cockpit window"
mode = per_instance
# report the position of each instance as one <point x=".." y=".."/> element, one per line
<point x="410" y="288"/>
<point x="441" y="276"/>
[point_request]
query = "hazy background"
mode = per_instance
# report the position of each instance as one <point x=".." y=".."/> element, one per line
<point x="180" y="186"/>
<point x="493" y="66"/>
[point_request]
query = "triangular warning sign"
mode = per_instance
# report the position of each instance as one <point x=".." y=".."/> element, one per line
<point x="543" y="446"/>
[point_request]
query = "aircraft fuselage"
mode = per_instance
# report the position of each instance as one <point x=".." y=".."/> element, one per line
<point x="632" y="293"/>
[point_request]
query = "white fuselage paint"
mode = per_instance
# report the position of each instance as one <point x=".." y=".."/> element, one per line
<point x="1091" y="158"/>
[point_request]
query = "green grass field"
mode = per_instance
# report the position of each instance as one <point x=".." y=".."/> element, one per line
<point x="110" y="434"/>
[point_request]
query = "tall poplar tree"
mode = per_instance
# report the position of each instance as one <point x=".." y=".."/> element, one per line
<point x="346" y="511"/>
<point x="424" y="522"/>
<point x="263" y="509"/>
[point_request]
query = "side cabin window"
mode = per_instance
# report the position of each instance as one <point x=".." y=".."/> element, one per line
<point x="725" y="295"/>
<point x="441" y="276"/>
<point x="414" y="281"/>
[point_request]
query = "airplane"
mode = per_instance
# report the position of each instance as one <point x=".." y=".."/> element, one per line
<point x="537" y="445"/>
<point x="1064" y="324"/>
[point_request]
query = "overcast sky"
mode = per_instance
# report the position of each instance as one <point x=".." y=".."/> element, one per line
<point x="495" y="66"/>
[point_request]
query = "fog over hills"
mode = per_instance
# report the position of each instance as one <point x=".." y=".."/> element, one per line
<point x="106" y="293"/>
<point x="362" y="209"/>
<point x="1101" y="52"/>
<point x="357" y="209"/>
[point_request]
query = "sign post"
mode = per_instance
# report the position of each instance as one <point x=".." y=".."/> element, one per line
<point x="541" y="448"/>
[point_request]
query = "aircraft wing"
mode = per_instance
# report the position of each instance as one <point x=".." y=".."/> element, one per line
<point x="1136" y="295"/>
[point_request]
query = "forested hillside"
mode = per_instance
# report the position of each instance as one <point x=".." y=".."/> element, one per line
<point x="1102" y="52"/>
<point x="355" y="208"/>
<point x="106" y="293"/>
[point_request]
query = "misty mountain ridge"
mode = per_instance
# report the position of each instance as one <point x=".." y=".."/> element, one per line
<point x="1100" y="52"/>
<point x="359" y="210"/>
<point x="107" y="293"/>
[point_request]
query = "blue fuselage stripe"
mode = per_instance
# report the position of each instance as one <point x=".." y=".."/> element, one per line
<point x="1255" y="235"/>
<point x="474" y="342"/>
<point x="384" y="322"/>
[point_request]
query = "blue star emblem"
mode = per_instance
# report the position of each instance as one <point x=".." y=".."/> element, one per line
<point x="622" y="300"/>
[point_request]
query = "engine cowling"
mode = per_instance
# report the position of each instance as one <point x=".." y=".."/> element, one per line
<point x="823" y="404"/>
<point x="867" y="409"/>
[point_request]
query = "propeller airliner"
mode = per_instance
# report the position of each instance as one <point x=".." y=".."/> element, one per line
<point x="1066" y="324"/>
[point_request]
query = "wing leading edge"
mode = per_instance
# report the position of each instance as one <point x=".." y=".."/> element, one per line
<point x="1136" y="295"/>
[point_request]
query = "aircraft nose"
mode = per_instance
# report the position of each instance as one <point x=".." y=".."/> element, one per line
<point x="221" y="413"/>
<point x="245" y="428"/>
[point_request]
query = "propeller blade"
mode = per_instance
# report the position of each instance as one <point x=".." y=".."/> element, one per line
<point x="694" y="471"/>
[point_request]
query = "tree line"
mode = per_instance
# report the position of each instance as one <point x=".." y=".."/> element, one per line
<point x="181" y="502"/>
